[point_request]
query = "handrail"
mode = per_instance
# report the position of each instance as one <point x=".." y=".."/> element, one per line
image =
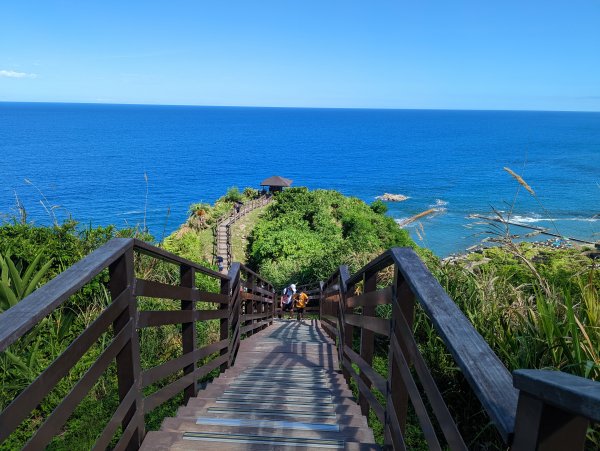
<point x="244" y="305"/>
<point x="566" y="410"/>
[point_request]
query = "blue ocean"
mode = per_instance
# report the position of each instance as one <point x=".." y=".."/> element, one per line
<point x="129" y="165"/>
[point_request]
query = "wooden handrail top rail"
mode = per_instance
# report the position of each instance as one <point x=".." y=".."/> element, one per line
<point x="574" y="394"/>
<point x="19" y="319"/>
<point x="166" y="256"/>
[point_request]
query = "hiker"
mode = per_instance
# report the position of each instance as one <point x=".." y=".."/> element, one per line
<point x="300" y="303"/>
<point x="287" y="300"/>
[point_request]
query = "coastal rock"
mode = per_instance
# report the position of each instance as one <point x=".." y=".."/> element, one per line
<point x="387" y="197"/>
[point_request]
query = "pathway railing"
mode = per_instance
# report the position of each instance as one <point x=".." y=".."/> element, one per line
<point x="531" y="409"/>
<point x="244" y="303"/>
<point x="227" y="221"/>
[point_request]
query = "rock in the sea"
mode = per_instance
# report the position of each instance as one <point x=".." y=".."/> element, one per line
<point x="392" y="197"/>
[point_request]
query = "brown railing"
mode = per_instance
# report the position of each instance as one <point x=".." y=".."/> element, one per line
<point x="551" y="411"/>
<point x="243" y="304"/>
<point x="234" y="215"/>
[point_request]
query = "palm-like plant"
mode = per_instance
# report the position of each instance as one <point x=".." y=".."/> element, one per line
<point x="16" y="282"/>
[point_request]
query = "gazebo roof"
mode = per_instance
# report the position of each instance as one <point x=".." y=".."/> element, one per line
<point x="276" y="181"/>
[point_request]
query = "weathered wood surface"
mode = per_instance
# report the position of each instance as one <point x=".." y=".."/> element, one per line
<point x="284" y="383"/>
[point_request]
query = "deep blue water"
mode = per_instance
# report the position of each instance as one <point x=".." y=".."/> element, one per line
<point x="89" y="161"/>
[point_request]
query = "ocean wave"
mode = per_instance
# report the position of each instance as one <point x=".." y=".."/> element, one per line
<point x="439" y="203"/>
<point x="536" y="218"/>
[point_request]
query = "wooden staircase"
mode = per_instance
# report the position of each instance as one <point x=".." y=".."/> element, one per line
<point x="284" y="392"/>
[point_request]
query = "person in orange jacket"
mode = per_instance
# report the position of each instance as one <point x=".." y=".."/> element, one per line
<point x="300" y="304"/>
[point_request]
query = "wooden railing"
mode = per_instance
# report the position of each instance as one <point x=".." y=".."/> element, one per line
<point x="243" y="304"/>
<point x="531" y="410"/>
<point x="234" y="215"/>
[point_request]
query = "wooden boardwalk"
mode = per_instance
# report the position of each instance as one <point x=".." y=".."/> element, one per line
<point x="222" y="233"/>
<point x="284" y="392"/>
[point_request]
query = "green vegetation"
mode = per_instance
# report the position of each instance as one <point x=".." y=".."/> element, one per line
<point x="305" y="235"/>
<point x="536" y="307"/>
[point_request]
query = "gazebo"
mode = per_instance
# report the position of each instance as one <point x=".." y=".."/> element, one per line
<point x="276" y="183"/>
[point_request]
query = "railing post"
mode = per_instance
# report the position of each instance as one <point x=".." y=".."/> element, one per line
<point x="346" y="332"/>
<point x="553" y="410"/>
<point x="188" y="329"/>
<point x="367" y="339"/>
<point x="122" y="278"/>
<point x="250" y="302"/>
<point x="403" y="303"/>
<point x="224" y="324"/>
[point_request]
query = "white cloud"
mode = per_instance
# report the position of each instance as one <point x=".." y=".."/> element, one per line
<point x="15" y="74"/>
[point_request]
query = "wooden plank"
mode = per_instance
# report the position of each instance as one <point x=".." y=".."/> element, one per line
<point x="364" y="390"/>
<point x="378" y="325"/>
<point x="18" y="319"/>
<point x="379" y="297"/>
<point x="252" y="327"/>
<point x="115" y="421"/>
<point x="488" y="377"/>
<point x="61" y="414"/>
<point x="417" y="401"/>
<point x="574" y="394"/>
<point x="155" y="318"/>
<point x="20" y="408"/>
<point x="446" y="422"/>
<point x="255" y="316"/>
<point x="167" y="392"/>
<point x="152" y="289"/>
<point x="376" y="379"/>
<point x="206" y="296"/>
<point x="188" y="329"/>
<point x="375" y="265"/>
<point x="159" y="372"/>
<point x="161" y="254"/>
<point x="122" y="276"/>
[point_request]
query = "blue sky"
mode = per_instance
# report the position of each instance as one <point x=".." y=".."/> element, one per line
<point x="540" y="55"/>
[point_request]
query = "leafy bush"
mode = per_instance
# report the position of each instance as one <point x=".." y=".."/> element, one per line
<point x="305" y="235"/>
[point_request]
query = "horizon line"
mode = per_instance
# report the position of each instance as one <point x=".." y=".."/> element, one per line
<point x="189" y="105"/>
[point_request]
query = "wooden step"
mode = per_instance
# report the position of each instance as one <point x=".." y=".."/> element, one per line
<point x="280" y="428"/>
<point x="163" y="440"/>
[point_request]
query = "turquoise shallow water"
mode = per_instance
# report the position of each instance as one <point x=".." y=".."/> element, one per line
<point x="89" y="161"/>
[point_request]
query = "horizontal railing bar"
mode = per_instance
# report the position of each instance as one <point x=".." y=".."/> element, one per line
<point x="255" y="297"/>
<point x="167" y="392"/>
<point x="20" y="408"/>
<point x="18" y="319"/>
<point x="488" y="377"/>
<point x="263" y="291"/>
<point x="155" y="318"/>
<point x="394" y="424"/>
<point x="159" y="372"/>
<point x="253" y="326"/>
<point x="362" y="387"/>
<point x="372" y="298"/>
<point x="70" y="402"/>
<point x="328" y="327"/>
<point x="153" y="289"/>
<point x="374" y="377"/>
<point x="115" y="421"/>
<point x="124" y="441"/>
<point x="447" y="424"/>
<point x="164" y="255"/>
<point x="417" y="402"/>
<point x="380" y="326"/>
<point x="254" y="316"/>
<point x="375" y="265"/>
